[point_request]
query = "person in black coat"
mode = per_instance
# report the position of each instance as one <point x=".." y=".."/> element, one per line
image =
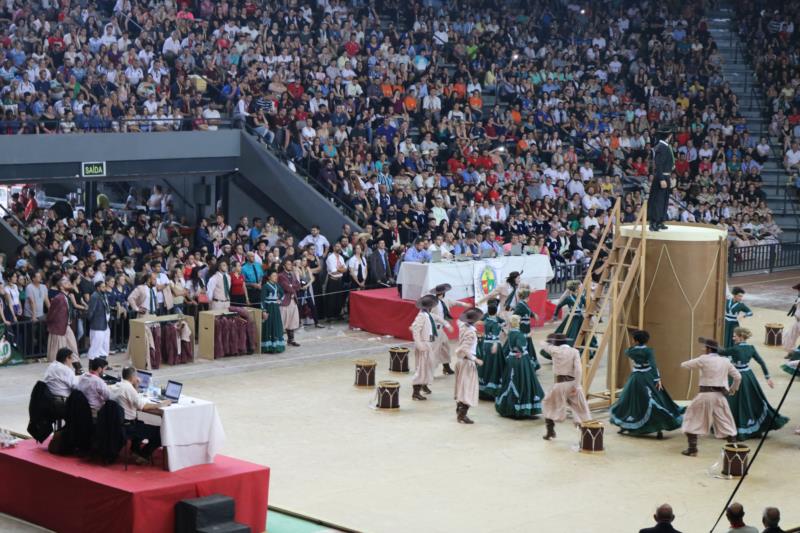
<point x="771" y="518"/>
<point x="379" y="273"/>
<point x="663" y="166"/>
<point x="664" y="518"/>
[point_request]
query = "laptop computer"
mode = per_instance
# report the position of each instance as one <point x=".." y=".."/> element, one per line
<point x="145" y="378"/>
<point x="173" y="391"/>
<point x="487" y="253"/>
<point x="436" y="256"/>
<point x="516" y="249"/>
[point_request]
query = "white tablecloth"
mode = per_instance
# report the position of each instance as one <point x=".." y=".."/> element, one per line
<point x="191" y="431"/>
<point x="420" y="278"/>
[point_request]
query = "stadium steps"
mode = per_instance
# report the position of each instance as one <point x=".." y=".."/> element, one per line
<point x="738" y="73"/>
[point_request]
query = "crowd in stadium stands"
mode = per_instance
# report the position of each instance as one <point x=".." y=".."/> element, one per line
<point x="465" y="124"/>
<point x="772" y="32"/>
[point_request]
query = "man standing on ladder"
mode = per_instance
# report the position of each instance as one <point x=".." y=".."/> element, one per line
<point x="660" y="189"/>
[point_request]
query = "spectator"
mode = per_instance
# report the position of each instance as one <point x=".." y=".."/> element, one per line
<point x="735" y="515"/>
<point x="771" y="519"/>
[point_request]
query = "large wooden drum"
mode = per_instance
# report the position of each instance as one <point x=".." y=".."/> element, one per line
<point x="398" y="359"/>
<point x="774" y="334"/>
<point x="734" y="459"/>
<point x="388" y="395"/>
<point x="684" y="285"/>
<point x="592" y="436"/>
<point x="365" y="372"/>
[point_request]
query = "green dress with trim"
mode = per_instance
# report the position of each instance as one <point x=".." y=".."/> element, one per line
<point x="520" y="394"/>
<point x="568" y="301"/>
<point x="749" y="405"/>
<point x="525" y="315"/>
<point x="642" y="408"/>
<point x="272" y="328"/>
<point x="732" y="311"/>
<point x="490" y="375"/>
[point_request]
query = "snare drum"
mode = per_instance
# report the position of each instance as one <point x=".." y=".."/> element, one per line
<point x="734" y="459"/>
<point x="592" y="436"/>
<point x="388" y="395"/>
<point x="365" y="372"/>
<point x="398" y="359"/>
<point x="774" y="334"/>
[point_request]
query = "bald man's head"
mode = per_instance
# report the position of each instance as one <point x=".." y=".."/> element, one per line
<point x="664" y="514"/>
<point x="772" y="516"/>
<point x="735" y="512"/>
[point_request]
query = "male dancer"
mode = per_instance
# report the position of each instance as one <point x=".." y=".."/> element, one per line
<point x="441" y="312"/>
<point x="709" y="409"/>
<point x="566" y="390"/>
<point x="423" y="331"/>
<point x="466" y="393"/>
<point x="664" y="164"/>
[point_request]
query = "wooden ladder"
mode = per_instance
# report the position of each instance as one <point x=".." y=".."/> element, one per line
<point x="606" y="299"/>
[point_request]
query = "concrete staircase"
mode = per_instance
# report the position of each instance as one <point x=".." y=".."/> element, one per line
<point x="739" y="75"/>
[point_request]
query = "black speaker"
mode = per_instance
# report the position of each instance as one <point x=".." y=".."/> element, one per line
<point x="227" y="527"/>
<point x="193" y="514"/>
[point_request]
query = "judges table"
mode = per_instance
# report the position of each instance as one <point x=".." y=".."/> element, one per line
<point x="191" y="432"/>
<point x="420" y="278"/>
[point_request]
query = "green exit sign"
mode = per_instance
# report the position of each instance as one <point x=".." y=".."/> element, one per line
<point x="94" y="169"/>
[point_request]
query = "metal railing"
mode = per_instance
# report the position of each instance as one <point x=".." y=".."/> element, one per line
<point x="562" y="273"/>
<point x="34" y="126"/>
<point x="763" y="258"/>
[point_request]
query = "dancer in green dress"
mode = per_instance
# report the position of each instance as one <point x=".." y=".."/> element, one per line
<point x="569" y="301"/>
<point x="520" y="394"/>
<point x="272" y="326"/>
<point x="790" y="365"/>
<point x="523" y="311"/>
<point x="644" y="406"/>
<point x="733" y="308"/>
<point x="751" y="410"/>
<point x="490" y="351"/>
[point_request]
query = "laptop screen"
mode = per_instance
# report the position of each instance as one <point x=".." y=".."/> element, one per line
<point x="144" y="379"/>
<point x="173" y="390"/>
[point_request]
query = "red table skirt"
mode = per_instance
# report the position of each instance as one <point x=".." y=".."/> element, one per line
<point x="383" y="312"/>
<point x="69" y="494"/>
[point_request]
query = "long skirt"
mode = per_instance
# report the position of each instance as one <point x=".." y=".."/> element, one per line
<point x="709" y="410"/>
<point x="563" y="395"/>
<point x="272" y="331"/>
<point x="466" y="382"/>
<point x="490" y="375"/>
<point x="790" y="367"/>
<point x="290" y="316"/>
<point x="751" y="410"/>
<point x="520" y="394"/>
<point x="790" y="336"/>
<point x="56" y="342"/>
<point x="99" y="343"/>
<point x="642" y="408"/>
<point x="422" y="371"/>
<point x="727" y="336"/>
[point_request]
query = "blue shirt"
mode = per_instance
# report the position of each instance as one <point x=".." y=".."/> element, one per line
<point x="252" y="272"/>
<point x="417" y="256"/>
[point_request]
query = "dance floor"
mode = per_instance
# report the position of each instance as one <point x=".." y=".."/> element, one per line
<point x="383" y="312"/>
<point x="68" y="494"/>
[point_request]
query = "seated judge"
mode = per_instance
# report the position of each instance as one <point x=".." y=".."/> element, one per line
<point x="93" y="386"/>
<point x="61" y="379"/>
<point x="126" y="394"/>
<point x="418" y="253"/>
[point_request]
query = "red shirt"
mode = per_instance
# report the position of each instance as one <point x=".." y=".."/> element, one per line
<point x="454" y="165"/>
<point x="681" y="166"/>
<point x="237" y="284"/>
<point x="351" y="47"/>
<point x="30" y="208"/>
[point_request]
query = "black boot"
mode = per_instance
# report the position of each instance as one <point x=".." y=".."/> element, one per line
<point x="653" y="227"/>
<point x="551" y="429"/>
<point x="462" y="416"/>
<point x="447" y="370"/>
<point x="731" y="439"/>
<point x="290" y="337"/>
<point x="416" y="395"/>
<point x="425" y="389"/>
<point x="691" y="451"/>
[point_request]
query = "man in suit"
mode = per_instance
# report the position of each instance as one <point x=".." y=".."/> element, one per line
<point x="664" y="164"/>
<point x="98" y="316"/>
<point x="378" y="271"/>
<point x="771" y="519"/>
<point x="664" y="518"/>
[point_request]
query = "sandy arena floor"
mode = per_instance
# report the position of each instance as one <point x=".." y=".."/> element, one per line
<point x="334" y="457"/>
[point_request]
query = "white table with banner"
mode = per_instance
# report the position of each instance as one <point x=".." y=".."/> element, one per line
<point x="473" y="277"/>
<point x="191" y="432"/>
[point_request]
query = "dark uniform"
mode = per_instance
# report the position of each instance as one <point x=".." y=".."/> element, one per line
<point x="664" y="162"/>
